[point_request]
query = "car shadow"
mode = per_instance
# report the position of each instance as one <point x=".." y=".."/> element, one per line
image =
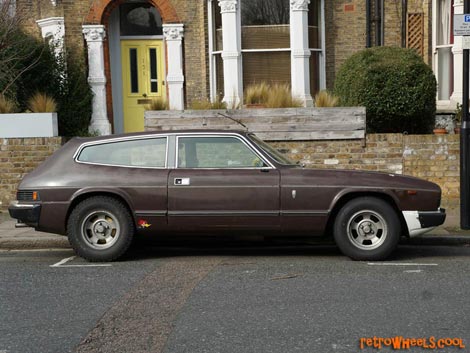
<point x="145" y="248"/>
<point x="161" y="248"/>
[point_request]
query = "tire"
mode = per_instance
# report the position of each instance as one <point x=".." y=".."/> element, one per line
<point x="100" y="229"/>
<point x="367" y="228"/>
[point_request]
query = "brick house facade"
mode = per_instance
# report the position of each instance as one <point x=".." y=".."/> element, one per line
<point x="209" y="49"/>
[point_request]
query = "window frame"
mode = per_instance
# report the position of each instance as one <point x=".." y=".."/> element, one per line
<point x="436" y="18"/>
<point x="248" y="144"/>
<point x="213" y="53"/>
<point x="122" y="139"/>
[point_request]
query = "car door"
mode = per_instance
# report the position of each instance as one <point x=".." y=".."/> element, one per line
<point x="222" y="183"/>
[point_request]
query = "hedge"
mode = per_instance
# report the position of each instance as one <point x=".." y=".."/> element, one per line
<point x="397" y="88"/>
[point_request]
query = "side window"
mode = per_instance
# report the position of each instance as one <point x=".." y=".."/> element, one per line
<point x="135" y="153"/>
<point x="216" y="152"/>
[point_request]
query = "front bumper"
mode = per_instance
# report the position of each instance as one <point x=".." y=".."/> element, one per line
<point x="419" y="222"/>
<point x="27" y="214"/>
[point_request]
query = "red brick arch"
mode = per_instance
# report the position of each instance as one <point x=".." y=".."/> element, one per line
<point x="101" y="9"/>
<point x="99" y="14"/>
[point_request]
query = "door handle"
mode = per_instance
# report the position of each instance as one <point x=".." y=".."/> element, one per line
<point x="182" y="181"/>
<point x="144" y="95"/>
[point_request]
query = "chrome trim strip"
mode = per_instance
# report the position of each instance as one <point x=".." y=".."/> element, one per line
<point x="221" y="186"/>
<point x="223" y="213"/>
<point x="150" y="213"/>
<point x="304" y="213"/>
<point x="122" y="139"/>
<point x="244" y="140"/>
<point x="16" y="204"/>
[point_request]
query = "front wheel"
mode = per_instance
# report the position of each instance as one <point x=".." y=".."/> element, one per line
<point x="100" y="229"/>
<point x="367" y="228"/>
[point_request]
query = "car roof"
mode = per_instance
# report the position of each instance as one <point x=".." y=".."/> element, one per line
<point x="160" y="132"/>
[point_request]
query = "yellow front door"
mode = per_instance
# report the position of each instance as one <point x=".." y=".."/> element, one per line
<point x="142" y="77"/>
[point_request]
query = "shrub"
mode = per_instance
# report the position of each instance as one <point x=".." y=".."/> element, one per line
<point x="397" y="88"/>
<point x="325" y="99"/>
<point x="42" y="103"/>
<point x="74" y="97"/>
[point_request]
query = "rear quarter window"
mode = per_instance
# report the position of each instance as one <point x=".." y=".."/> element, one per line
<point x="133" y="153"/>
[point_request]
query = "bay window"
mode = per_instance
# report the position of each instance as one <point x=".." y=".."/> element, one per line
<point x="260" y="46"/>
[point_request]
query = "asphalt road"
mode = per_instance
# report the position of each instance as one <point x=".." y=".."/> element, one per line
<point x="242" y="298"/>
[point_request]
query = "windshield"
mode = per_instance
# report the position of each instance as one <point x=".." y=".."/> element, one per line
<point x="271" y="151"/>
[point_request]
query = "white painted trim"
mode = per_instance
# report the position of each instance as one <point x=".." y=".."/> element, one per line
<point x="231" y="54"/>
<point x="210" y="31"/>
<point x="94" y="37"/>
<point x="54" y="28"/>
<point x="456" y="95"/>
<point x="300" y="51"/>
<point x="323" y="47"/>
<point x="28" y="125"/>
<point x="233" y="50"/>
<point x="173" y="34"/>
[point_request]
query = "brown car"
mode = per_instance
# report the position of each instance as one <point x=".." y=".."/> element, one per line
<point x="101" y="191"/>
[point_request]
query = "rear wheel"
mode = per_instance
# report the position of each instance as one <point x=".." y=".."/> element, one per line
<point x="100" y="229"/>
<point x="367" y="228"/>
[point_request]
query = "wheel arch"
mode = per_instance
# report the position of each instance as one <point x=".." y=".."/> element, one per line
<point x="86" y="194"/>
<point x="343" y="199"/>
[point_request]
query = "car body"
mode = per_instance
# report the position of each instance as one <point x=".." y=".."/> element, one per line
<point x="101" y="191"/>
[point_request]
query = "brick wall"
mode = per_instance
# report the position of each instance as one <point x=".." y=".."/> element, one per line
<point x="19" y="156"/>
<point x="345" y="22"/>
<point x="196" y="63"/>
<point x="431" y="157"/>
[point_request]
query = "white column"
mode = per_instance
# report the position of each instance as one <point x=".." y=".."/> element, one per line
<point x="174" y="44"/>
<point x="53" y="28"/>
<point x="94" y="36"/>
<point x="300" y="52"/>
<point x="457" y="52"/>
<point x="231" y="53"/>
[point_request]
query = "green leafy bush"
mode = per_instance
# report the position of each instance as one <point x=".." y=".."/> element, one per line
<point x="74" y="98"/>
<point x="397" y="88"/>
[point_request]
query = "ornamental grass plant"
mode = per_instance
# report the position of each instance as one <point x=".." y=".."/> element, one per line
<point x="42" y="103"/>
<point x="158" y="103"/>
<point x="280" y="96"/>
<point x="6" y="105"/>
<point x="325" y="99"/>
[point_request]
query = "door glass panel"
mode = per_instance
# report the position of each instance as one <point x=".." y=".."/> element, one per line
<point x="215" y="152"/>
<point x="153" y="70"/>
<point x="133" y="70"/>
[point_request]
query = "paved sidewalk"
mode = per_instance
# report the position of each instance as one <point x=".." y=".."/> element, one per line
<point x="12" y="238"/>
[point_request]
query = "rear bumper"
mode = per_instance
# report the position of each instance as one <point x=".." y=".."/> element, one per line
<point x="419" y="222"/>
<point x="27" y="214"/>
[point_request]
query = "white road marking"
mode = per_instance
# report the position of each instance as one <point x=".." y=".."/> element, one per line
<point x="399" y="264"/>
<point x="96" y="265"/>
<point x="62" y="263"/>
<point x="3" y="251"/>
<point x="413" y="271"/>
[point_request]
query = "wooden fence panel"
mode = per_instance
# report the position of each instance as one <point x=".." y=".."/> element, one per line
<point x="268" y="124"/>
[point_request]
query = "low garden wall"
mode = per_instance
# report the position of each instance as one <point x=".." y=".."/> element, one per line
<point x="432" y="157"/>
<point x="19" y="156"/>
